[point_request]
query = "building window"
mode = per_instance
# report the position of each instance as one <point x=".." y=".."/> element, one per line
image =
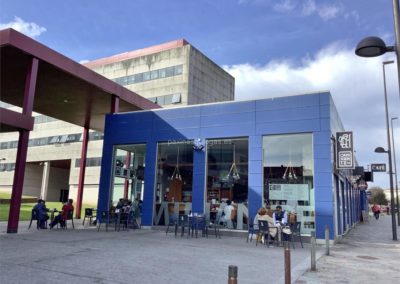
<point x="288" y="176"/>
<point x="174" y="179"/>
<point x="150" y="75"/>
<point x="227" y="180"/>
<point x="128" y="173"/>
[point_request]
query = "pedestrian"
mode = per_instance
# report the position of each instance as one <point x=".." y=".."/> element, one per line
<point x="376" y="209"/>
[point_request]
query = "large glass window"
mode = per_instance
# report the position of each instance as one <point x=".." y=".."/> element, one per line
<point x="129" y="166"/>
<point x="174" y="180"/>
<point x="227" y="181"/>
<point x="288" y="176"/>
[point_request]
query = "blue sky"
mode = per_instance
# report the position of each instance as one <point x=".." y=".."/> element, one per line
<point x="271" y="47"/>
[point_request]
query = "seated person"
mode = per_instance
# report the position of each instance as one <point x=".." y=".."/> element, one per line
<point x="280" y="216"/>
<point x="281" y="220"/>
<point x="60" y="218"/>
<point x="262" y="215"/>
<point x="41" y="209"/>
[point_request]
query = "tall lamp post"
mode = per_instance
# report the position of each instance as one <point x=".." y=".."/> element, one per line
<point x="374" y="46"/>
<point x="389" y="152"/>
<point x="395" y="173"/>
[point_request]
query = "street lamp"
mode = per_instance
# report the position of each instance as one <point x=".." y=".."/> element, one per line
<point x="374" y="46"/>
<point x="395" y="173"/>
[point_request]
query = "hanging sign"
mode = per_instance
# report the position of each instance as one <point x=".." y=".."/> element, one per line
<point x="344" y="150"/>
<point x="378" y="168"/>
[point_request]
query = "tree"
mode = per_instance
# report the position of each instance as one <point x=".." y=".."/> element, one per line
<point x="378" y="196"/>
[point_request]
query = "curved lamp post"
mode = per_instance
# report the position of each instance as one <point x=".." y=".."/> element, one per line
<point x="395" y="173"/>
<point x="374" y="46"/>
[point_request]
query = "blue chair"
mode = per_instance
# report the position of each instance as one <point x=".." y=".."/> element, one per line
<point x="35" y="216"/>
<point x="173" y="221"/>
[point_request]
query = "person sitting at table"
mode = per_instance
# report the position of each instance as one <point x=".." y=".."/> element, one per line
<point x="280" y="216"/>
<point x="60" y="218"/>
<point x="280" y="220"/>
<point x="41" y="210"/>
<point x="263" y="216"/>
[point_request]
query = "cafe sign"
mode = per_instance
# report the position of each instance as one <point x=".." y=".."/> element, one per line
<point x="378" y="168"/>
<point x="344" y="150"/>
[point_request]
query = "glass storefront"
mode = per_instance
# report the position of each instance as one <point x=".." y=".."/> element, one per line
<point x="129" y="165"/>
<point x="174" y="179"/>
<point x="227" y="181"/>
<point x="288" y="166"/>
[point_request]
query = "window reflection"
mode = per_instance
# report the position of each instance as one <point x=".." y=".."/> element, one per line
<point x="174" y="179"/>
<point x="288" y="176"/>
<point x="227" y="180"/>
<point x="129" y="165"/>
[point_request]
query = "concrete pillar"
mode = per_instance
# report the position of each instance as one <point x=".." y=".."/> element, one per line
<point x="45" y="180"/>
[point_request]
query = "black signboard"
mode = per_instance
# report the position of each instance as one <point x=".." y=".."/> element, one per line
<point x="378" y="168"/>
<point x="344" y="150"/>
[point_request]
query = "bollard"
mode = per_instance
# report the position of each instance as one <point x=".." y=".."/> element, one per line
<point x="326" y="240"/>
<point x="232" y="274"/>
<point x="313" y="244"/>
<point x="287" y="263"/>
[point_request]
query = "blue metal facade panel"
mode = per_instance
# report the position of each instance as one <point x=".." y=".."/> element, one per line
<point x="252" y="119"/>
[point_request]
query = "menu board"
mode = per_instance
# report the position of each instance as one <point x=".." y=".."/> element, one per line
<point x="289" y="192"/>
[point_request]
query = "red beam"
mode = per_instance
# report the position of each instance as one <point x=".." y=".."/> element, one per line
<point x="16" y="119"/>
<point x="20" y="163"/>
<point x="82" y="170"/>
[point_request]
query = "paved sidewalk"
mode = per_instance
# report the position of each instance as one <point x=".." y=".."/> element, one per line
<point x="138" y="256"/>
<point x="366" y="255"/>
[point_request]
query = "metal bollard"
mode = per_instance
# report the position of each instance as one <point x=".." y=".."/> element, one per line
<point x="313" y="247"/>
<point x="232" y="274"/>
<point x="326" y="240"/>
<point x="287" y="263"/>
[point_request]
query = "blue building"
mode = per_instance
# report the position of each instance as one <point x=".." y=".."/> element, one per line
<point x="277" y="151"/>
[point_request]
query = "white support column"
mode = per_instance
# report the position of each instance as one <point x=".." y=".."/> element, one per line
<point x="45" y="180"/>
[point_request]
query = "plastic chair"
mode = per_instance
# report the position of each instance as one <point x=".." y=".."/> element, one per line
<point x="183" y="222"/>
<point x="104" y="219"/>
<point x="198" y="223"/>
<point x="70" y="216"/>
<point x="263" y="230"/>
<point x="173" y="221"/>
<point x="251" y="230"/>
<point x="216" y="225"/>
<point x="89" y="215"/>
<point x="296" y="232"/>
<point x="123" y="218"/>
<point x="35" y="216"/>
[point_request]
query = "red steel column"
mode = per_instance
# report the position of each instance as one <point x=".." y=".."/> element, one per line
<point x="82" y="170"/>
<point x="127" y="165"/>
<point x="20" y="163"/>
<point x="114" y="104"/>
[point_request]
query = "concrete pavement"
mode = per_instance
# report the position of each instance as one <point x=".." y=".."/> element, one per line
<point x="366" y="255"/>
<point x="84" y="255"/>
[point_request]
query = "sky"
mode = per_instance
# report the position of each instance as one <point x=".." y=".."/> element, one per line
<point x="273" y="48"/>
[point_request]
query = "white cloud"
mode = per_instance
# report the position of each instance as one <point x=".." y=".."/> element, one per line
<point x="329" y="12"/>
<point x="309" y="8"/>
<point x="284" y="6"/>
<point x="356" y="86"/>
<point x="83" y="61"/>
<point x="30" y="29"/>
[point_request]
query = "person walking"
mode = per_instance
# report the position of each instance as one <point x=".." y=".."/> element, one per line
<point x="376" y="209"/>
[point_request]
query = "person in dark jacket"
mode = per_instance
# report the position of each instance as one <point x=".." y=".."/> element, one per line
<point x="41" y="210"/>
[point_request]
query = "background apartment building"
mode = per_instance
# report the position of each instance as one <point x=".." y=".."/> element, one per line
<point x="171" y="74"/>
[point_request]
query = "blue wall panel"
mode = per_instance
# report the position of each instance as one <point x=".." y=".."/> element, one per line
<point x="314" y="113"/>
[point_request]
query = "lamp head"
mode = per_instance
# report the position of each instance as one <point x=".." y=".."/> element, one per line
<point x="380" y="150"/>
<point x="372" y="46"/>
